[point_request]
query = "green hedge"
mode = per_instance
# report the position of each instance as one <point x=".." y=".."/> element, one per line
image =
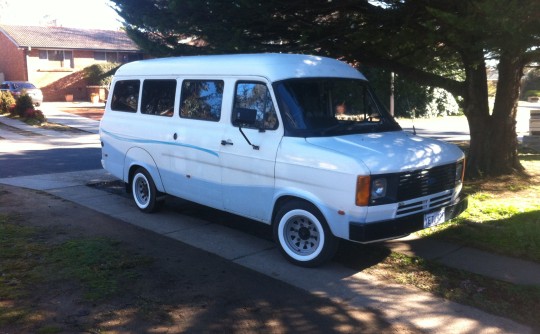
<point x="100" y="74"/>
<point x="530" y="93"/>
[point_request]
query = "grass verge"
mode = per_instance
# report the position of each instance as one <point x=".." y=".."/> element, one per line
<point x="503" y="215"/>
<point x="99" y="267"/>
<point x="520" y="303"/>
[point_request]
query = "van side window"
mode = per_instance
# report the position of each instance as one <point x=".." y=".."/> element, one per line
<point x="158" y="97"/>
<point x="201" y="99"/>
<point x="255" y="95"/>
<point x="126" y="95"/>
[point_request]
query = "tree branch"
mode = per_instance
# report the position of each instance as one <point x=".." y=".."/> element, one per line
<point x="455" y="87"/>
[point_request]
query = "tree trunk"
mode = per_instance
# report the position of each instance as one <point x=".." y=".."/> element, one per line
<point x="494" y="144"/>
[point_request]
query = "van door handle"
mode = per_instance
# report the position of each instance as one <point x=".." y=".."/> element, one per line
<point x="227" y="142"/>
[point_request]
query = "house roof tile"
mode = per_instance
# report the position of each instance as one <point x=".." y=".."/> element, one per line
<point x="69" y="38"/>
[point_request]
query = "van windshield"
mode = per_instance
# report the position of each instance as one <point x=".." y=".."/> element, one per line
<point x="319" y="107"/>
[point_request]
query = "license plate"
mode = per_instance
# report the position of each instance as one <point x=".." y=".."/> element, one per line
<point x="434" y="218"/>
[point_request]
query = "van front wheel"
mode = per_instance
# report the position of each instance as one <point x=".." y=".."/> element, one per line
<point x="303" y="234"/>
<point x="144" y="191"/>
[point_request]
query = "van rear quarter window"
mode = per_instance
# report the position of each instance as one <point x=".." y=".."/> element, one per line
<point x="126" y="95"/>
<point x="201" y="99"/>
<point x="158" y="97"/>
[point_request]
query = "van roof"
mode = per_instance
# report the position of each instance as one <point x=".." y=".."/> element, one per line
<point x="273" y="66"/>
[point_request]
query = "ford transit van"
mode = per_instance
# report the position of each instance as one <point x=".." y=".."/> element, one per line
<point x="299" y="142"/>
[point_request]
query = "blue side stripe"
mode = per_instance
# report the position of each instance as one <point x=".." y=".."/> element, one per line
<point x="145" y="141"/>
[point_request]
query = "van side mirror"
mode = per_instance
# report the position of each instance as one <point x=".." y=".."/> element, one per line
<point x="245" y="116"/>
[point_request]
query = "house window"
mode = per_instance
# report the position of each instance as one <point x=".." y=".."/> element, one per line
<point x="55" y="55"/>
<point x="132" y="57"/>
<point x="117" y="57"/>
<point x="68" y="59"/>
<point x="112" y="57"/>
<point x="99" y="55"/>
<point x="57" y="58"/>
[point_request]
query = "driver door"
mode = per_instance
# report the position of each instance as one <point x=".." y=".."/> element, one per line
<point x="248" y="169"/>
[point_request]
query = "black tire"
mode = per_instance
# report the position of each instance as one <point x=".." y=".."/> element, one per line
<point x="144" y="191"/>
<point x="303" y="235"/>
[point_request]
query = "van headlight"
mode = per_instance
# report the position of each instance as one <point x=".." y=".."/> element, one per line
<point x="460" y="171"/>
<point x="378" y="188"/>
<point x="375" y="190"/>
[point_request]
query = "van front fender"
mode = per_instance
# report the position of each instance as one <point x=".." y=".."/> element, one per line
<point x="138" y="157"/>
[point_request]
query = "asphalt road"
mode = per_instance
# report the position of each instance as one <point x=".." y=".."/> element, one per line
<point x="55" y="160"/>
<point x="24" y="153"/>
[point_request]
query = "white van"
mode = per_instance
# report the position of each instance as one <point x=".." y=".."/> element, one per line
<point x="296" y="141"/>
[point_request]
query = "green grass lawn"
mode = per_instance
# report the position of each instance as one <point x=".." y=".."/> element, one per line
<point x="503" y="215"/>
<point x="29" y="261"/>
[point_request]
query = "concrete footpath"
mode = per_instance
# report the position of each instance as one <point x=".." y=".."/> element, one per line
<point x="395" y="302"/>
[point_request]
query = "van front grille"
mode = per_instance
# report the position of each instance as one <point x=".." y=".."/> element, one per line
<point x="425" y="182"/>
<point x="426" y="204"/>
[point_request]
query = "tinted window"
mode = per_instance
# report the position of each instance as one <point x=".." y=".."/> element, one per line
<point x="125" y="95"/>
<point x="158" y="97"/>
<point x="254" y="95"/>
<point x="201" y="99"/>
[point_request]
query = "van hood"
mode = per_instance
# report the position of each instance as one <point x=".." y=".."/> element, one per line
<point x="391" y="152"/>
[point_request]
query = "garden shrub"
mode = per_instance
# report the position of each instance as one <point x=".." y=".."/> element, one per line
<point x="24" y="102"/>
<point x="34" y="114"/>
<point x="530" y="84"/>
<point x="530" y="93"/>
<point x="6" y="102"/>
<point x="442" y="103"/>
<point x="100" y="74"/>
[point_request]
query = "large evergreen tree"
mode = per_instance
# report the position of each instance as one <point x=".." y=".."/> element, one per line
<point x="440" y="43"/>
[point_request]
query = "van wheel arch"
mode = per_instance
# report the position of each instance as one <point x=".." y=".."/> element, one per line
<point x="302" y="232"/>
<point x="137" y="157"/>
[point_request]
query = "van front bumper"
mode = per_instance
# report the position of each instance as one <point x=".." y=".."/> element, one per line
<point x="395" y="228"/>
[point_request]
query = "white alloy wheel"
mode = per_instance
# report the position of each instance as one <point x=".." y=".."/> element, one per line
<point x="303" y="235"/>
<point x="144" y="190"/>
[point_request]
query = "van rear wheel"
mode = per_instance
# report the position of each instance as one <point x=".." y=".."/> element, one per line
<point x="144" y="191"/>
<point x="303" y="234"/>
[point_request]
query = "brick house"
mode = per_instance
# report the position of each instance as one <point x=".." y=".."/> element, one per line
<point x="52" y="57"/>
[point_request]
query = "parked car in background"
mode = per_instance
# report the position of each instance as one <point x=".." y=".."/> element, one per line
<point x="18" y="88"/>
